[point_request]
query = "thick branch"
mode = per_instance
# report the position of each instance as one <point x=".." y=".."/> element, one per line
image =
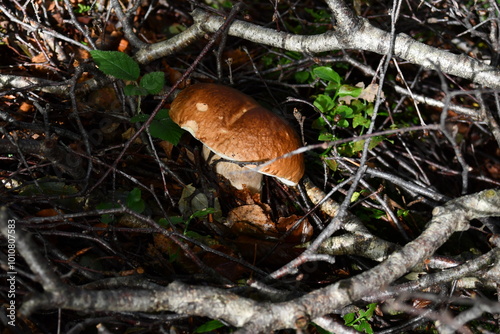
<point x="279" y="39"/>
<point x="253" y="316"/>
<point x="367" y="38"/>
<point x="170" y="46"/>
<point x="454" y="216"/>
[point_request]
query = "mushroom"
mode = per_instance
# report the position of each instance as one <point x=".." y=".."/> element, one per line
<point x="236" y="128"/>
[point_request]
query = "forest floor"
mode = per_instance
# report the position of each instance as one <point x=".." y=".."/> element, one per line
<point x="108" y="192"/>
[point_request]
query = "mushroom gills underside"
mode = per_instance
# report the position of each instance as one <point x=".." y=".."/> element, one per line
<point x="237" y="175"/>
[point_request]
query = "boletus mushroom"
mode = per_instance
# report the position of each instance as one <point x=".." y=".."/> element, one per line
<point x="236" y="128"/>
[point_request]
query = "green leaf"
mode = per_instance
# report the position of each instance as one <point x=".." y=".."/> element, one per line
<point x="193" y="234"/>
<point x="375" y="141"/>
<point x="165" y="129"/>
<point x="319" y="124"/>
<point x="49" y="187"/>
<point x="164" y="222"/>
<point x="134" y="195"/>
<point x="332" y="164"/>
<point x="135" y="201"/>
<point x="368" y="314"/>
<point x="295" y="55"/>
<point x="324" y="103"/>
<point x="349" y="318"/>
<point x="402" y="213"/>
<point x="327" y="73"/>
<point x="133" y="90"/>
<point x="344" y="111"/>
<point x="162" y="114"/>
<point x="358" y="146"/>
<point x="369" y="111"/>
<point x="326" y="136"/>
<point x="320" y="329"/>
<point x="138" y="206"/>
<point x="361" y="323"/>
<point x="268" y="59"/>
<point x="153" y="82"/>
<point x="82" y="9"/>
<point x="377" y="214"/>
<point x="117" y="64"/>
<point x="209" y="326"/>
<point x="331" y="87"/>
<point x="360" y="120"/>
<point x="320" y="15"/>
<point x="202" y="213"/>
<point x="173" y="220"/>
<point x="175" y="29"/>
<point x="302" y="76"/>
<point x="363" y="327"/>
<point x="107" y="218"/>
<point x="346" y="90"/>
<point x="343" y="123"/>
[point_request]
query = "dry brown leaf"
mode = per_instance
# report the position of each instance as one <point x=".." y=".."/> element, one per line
<point x="348" y="99"/>
<point x="104" y="99"/>
<point x="109" y="40"/>
<point x="300" y="234"/>
<point x="493" y="169"/>
<point x="124" y="46"/>
<point x="49" y="213"/>
<point x="25" y="107"/>
<point x="236" y="57"/>
<point x="40" y="59"/>
<point x="251" y="220"/>
<point x="173" y="75"/>
<point x="369" y="94"/>
<point x="167" y="148"/>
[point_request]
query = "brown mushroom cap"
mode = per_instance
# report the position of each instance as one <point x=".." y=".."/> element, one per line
<point x="234" y="126"/>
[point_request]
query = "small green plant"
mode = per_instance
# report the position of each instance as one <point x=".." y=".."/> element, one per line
<point x="122" y="66"/>
<point x="339" y="103"/>
<point x="198" y="214"/>
<point x="357" y="320"/>
<point x="360" y="320"/>
<point x="83" y="8"/>
<point x="341" y="106"/>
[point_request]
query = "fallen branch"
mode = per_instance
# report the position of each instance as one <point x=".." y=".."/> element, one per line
<point x="249" y="315"/>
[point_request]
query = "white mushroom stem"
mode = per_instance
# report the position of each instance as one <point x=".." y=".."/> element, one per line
<point x="239" y="177"/>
